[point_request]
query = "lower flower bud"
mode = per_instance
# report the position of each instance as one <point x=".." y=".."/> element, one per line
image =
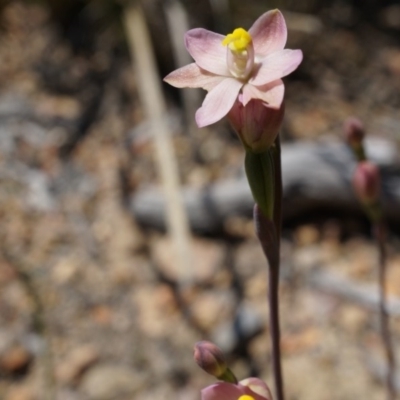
<point x="366" y="182"/>
<point x="210" y="358"/>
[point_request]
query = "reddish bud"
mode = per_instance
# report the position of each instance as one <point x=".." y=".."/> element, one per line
<point x="210" y="358"/>
<point x="354" y="134"/>
<point x="257" y="125"/>
<point x="366" y="182"/>
<point x="354" y="131"/>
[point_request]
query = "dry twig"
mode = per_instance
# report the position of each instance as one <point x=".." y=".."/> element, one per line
<point x="152" y="98"/>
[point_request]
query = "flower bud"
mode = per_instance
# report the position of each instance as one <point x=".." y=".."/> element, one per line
<point x="366" y="182"/>
<point x="209" y="357"/>
<point x="256" y="124"/>
<point x="354" y="130"/>
<point x="354" y="134"/>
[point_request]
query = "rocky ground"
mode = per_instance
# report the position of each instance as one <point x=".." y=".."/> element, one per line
<point x="90" y="305"/>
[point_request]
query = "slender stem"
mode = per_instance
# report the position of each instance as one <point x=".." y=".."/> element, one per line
<point x="275" y="330"/>
<point x="278" y="190"/>
<point x="274" y="275"/>
<point x="379" y="230"/>
<point x="267" y="234"/>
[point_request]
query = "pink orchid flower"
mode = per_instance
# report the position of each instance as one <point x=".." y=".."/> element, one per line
<point x="240" y="66"/>
<point x="247" y="389"/>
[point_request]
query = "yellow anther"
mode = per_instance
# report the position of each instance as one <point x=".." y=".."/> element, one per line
<point x="238" y="41"/>
<point x="246" y="397"/>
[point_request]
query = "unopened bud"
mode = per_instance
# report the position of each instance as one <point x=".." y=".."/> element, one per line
<point x="366" y="182"/>
<point x="257" y="125"/>
<point x="354" y="134"/>
<point x="210" y="358"/>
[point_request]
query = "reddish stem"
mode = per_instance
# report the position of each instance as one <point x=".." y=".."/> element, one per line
<point x="275" y="330"/>
<point x="267" y="235"/>
<point x="379" y="232"/>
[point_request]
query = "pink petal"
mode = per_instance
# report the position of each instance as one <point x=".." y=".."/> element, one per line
<point x="269" y="33"/>
<point x="218" y="102"/>
<point x="271" y="93"/>
<point x="277" y="65"/>
<point x="258" y="387"/>
<point x="193" y="77"/>
<point x="207" y="50"/>
<point x="222" y="391"/>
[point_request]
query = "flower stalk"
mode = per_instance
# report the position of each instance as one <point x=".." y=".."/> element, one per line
<point x="380" y="233"/>
<point x="367" y="185"/>
<point x="242" y="73"/>
<point x="268" y="230"/>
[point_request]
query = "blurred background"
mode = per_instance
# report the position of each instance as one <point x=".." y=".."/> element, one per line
<point x="105" y="284"/>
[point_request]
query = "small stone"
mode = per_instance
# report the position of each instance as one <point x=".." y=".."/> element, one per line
<point x="302" y="341"/>
<point x="307" y="235"/>
<point x="240" y="227"/>
<point x="213" y="307"/>
<point x="249" y="259"/>
<point x="15" y="360"/>
<point x="102" y="314"/>
<point x="352" y="318"/>
<point x="307" y="257"/>
<point x="207" y="257"/>
<point x="58" y="107"/>
<point x="65" y="270"/>
<point x="20" y="392"/>
<point x="7" y="273"/>
<point x="156" y="309"/>
<point x="106" y="382"/>
<point x="255" y="288"/>
<point x="76" y="363"/>
<point x="246" y="324"/>
<point x="393" y="276"/>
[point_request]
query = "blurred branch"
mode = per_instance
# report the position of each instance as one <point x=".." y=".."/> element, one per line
<point x="364" y="295"/>
<point x="378" y="368"/>
<point x="178" y="25"/>
<point x="222" y="15"/>
<point x="150" y="92"/>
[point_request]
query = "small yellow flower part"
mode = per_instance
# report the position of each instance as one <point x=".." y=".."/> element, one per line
<point x="238" y="40"/>
<point x="246" y="397"/>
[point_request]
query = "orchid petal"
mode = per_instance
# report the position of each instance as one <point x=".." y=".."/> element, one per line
<point x="193" y="77"/>
<point x="271" y="93"/>
<point x="258" y="387"/>
<point x="207" y="50"/>
<point x="218" y="102"/>
<point x="222" y="391"/>
<point x="277" y="65"/>
<point x="269" y="33"/>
